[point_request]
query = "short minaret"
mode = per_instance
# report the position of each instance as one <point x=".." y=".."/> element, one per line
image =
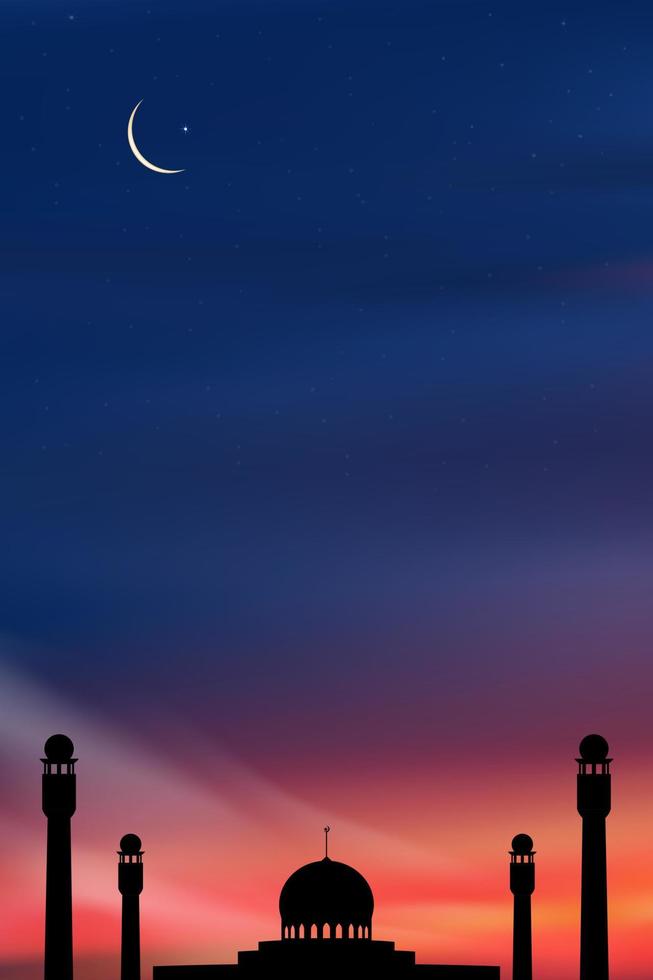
<point x="522" y="885"/>
<point x="130" y="884"/>
<point x="594" y="805"/>
<point x="59" y="801"/>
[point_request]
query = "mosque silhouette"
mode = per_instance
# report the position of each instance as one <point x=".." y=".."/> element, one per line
<point x="326" y="912"/>
<point x="326" y="906"/>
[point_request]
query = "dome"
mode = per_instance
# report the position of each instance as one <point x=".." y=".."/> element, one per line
<point x="59" y="749"/>
<point x="329" y="895"/>
<point x="522" y="844"/>
<point x="594" y="749"/>
<point x="131" y="844"/>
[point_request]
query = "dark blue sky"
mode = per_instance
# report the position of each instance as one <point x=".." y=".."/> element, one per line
<point x="364" y="392"/>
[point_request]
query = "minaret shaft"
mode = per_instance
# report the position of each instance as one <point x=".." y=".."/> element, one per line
<point x="594" y="901"/>
<point x="522" y="948"/>
<point x="58" y="901"/>
<point x="130" y="956"/>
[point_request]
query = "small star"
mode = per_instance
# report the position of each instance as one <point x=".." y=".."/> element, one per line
<point x="184" y="128"/>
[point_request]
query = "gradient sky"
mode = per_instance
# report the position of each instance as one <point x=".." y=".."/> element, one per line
<point x="327" y="463"/>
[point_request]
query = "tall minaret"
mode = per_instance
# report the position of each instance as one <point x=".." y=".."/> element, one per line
<point x="58" y="806"/>
<point x="522" y="885"/>
<point x="594" y="806"/>
<point x="130" y="884"/>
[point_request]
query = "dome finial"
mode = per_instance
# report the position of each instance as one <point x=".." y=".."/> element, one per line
<point x="326" y="842"/>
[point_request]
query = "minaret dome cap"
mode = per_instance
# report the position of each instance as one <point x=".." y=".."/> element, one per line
<point x="59" y="748"/>
<point x="594" y="748"/>
<point x="131" y="844"/>
<point x="522" y="844"/>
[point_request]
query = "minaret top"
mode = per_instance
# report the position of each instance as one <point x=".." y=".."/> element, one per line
<point x="131" y="844"/>
<point x="594" y="749"/>
<point x="59" y="749"/>
<point x="522" y="844"/>
<point x="326" y="843"/>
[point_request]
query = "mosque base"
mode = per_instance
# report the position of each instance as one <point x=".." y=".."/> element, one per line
<point x="318" y="959"/>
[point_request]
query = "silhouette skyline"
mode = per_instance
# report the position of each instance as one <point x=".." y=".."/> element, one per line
<point x="326" y="906"/>
<point x="325" y="489"/>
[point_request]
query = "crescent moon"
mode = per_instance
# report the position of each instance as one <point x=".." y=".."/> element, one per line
<point x="137" y="153"/>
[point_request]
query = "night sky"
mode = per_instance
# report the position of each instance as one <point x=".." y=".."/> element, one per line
<point x="327" y="463"/>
